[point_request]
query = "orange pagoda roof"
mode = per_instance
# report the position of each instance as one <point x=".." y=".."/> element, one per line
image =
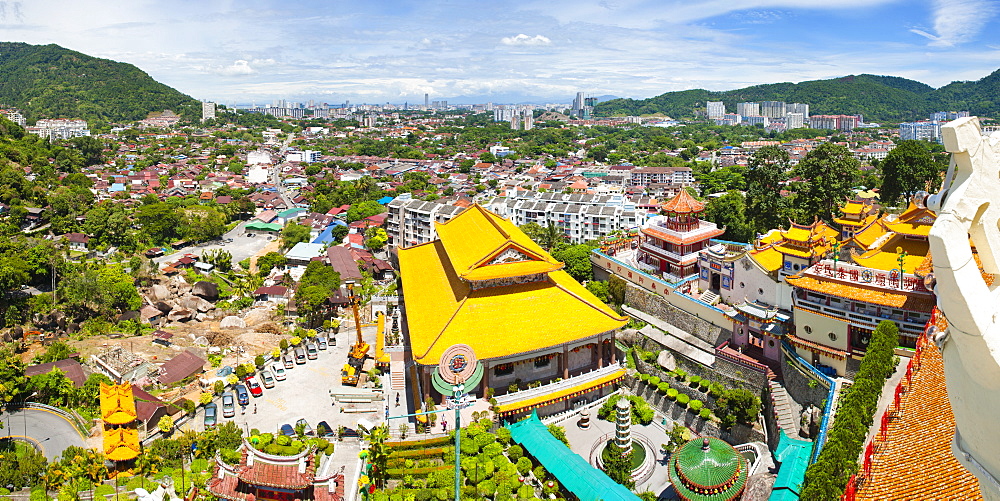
<point x="117" y="403"/>
<point x="121" y="444"/>
<point x="915" y="459"/>
<point x="683" y="203"/>
<point x="683" y="239"/>
<point x="902" y="300"/>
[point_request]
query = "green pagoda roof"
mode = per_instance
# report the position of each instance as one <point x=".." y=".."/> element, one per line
<point x="708" y="469"/>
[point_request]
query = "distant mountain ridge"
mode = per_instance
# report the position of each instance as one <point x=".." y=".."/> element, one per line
<point x="878" y="98"/>
<point x="49" y="81"/>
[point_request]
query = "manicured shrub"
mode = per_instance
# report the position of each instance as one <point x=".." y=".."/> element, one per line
<point x="695" y="405"/>
<point x="683" y="400"/>
<point x="663" y="387"/>
<point x="503" y="435"/>
<point x="680" y="375"/>
<point x="694" y="381"/>
<point x="515" y="452"/>
<point x="705" y="413"/>
<point x="672" y="393"/>
<point x="523" y="466"/>
<point x="705" y="384"/>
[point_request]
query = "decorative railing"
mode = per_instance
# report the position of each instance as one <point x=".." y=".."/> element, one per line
<point x="679" y="258"/>
<point x="807" y="368"/>
<point x="546" y="389"/>
<point x="750" y="364"/>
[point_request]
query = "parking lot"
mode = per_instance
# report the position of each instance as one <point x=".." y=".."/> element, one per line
<point x="241" y="247"/>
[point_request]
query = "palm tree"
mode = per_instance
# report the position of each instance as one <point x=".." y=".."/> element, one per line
<point x="552" y="236"/>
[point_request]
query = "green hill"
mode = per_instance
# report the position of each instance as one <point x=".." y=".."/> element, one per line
<point x="878" y="98"/>
<point x="48" y="81"/>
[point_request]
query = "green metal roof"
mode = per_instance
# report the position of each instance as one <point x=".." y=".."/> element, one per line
<point x="712" y="471"/>
<point x="574" y="472"/>
<point x="291" y="212"/>
<point x="259" y="226"/>
<point x="794" y="457"/>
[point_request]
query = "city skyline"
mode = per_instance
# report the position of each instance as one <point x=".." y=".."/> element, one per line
<point x="515" y="51"/>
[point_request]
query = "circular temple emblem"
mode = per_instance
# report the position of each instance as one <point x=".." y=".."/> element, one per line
<point x="867" y="276"/>
<point x="457" y="363"/>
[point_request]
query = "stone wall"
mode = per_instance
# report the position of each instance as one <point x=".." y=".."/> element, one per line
<point x="797" y="384"/>
<point x="659" y="307"/>
<point x="724" y="372"/>
<point x="739" y="434"/>
<point x="681" y="387"/>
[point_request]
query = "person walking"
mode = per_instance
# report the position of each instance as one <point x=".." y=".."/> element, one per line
<point x="444" y="426"/>
<point x="397" y="399"/>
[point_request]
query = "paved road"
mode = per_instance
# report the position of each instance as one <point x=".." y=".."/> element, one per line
<point x="240" y="248"/>
<point x="50" y="430"/>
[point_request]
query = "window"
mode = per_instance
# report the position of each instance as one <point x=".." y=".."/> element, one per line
<point x="770" y="343"/>
<point x="833" y="337"/>
<point x="796" y="267"/>
<point x="742" y="285"/>
<point x="809" y="330"/>
<point x="503" y="370"/>
<point x="542" y="361"/>
<point x="760" y="291"/>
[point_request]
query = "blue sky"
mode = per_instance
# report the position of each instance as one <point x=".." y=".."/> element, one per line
<point x="394" y="51"/>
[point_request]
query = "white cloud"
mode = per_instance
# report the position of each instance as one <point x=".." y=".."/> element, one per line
<point x="522" y="39"/>
<point x="239" y="67"/>
<point x="957" y="21"/>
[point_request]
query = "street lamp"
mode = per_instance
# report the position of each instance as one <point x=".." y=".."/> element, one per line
<point x="24" y="412"/>
<point x="900" y="258"/>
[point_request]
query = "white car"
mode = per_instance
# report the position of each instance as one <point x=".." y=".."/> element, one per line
<point x="279" y="371"/>
<point x="266" y="378"/>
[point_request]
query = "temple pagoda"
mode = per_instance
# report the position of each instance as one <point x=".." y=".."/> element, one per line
<point x="672" y="241"/>
<point x="708" y="469"/>
<point x="486" y="284"/>
<point x="121" y="437"/>
<point x="856" y="214"/>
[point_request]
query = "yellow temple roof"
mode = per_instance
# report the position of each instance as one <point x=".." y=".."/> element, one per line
<point x="870" y="234"/>
<point x="121" y="444"/>
<point x="494" y="321"/>
<point x="887" y="255"/>
<point x="871" y="218"/>
<point x="479" y="241"/>
<point x="816" y="232"/>
<point x="769" y="259"/>
<point x="854" y="207"/>
<point x="117" y="403"/>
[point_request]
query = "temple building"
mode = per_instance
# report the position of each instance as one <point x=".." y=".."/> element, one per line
<point x="708" y="469"/>
<point x="534" y="329"/>
<point x="672" y="241"/>
<point x="261" y="476"/>
<point x="121" y="437"/>
<point x="857" y="214"/>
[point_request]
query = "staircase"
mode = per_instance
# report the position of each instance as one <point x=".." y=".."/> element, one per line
<point x="397" y="371"/>
<point x="787" y="419"/>
<point x="710" y="297"/>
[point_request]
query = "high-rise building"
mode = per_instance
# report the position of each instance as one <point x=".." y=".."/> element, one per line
<point x="427" y="102"/>
<point x="747" y="109"/>
<point x="578" y="104"/>
<point x="515" y="122"/>
<point x="772" y="109"/>
<point x="716" y="109"/>
<point x="929" y="131"/>
<point x="758" y="119"/>
<point x="207" y="111"/>
<point x="794" y="121"/>
<point x="529" y="119"/>
<point x="798" y="108"/>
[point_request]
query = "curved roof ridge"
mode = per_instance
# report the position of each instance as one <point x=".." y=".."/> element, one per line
<point x="588" y="303"/>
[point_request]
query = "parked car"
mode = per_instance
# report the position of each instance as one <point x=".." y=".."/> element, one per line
<point x="324" y="430"/>
<point x="287" y="430"/>
<point x="224" y="371"/>
<point x="308" y="429"/>
<point x="279" y="371"/>
<point x="311" y="351"/>
<point x="300" y="355"/>
<point x="321" y="341"/>
<point x="287" y="360"/>
<point x="254" y="386"/>
<point x="211" y="414"/>
<point x="228" y="406"/>
<point x="267" y="379"/>
<point x="242" y="395"/>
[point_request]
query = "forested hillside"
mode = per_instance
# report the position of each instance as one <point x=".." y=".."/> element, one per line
<point x="878" y="98"/>
<point x="48" y="81"/>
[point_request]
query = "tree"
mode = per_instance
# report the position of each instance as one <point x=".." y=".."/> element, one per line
<point x="577" y="259"/>
<point x="599" y="289"/>
<point x="378" y="455"/>
<point x="616" y="290"/>
<point x="737" y="406"/>
<point x="764" y="177"/>
<point x="268" y="262"/>
<point x="338" y="233"/>
<point x="160" y="221"/>
<point x="618" y="465"/>
<point x="376" y="238"/>
<point x="56" y="351"/>
<point x="828" y="174"/>
<point x="730" y="211"/>
<point x="165" y="424"/>
<point x="675" y="438"/>
<point x="294" y="233"/>
<point x="907" y="169"/>
<point x="362" y="210"/>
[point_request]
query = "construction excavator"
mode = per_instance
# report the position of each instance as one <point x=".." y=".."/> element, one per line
<point x="352" y="370"/>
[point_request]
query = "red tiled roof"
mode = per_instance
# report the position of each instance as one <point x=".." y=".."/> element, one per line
<point x="184" y="365"/>
<point x="281" y="476"/>
<point x="72" y="369"/>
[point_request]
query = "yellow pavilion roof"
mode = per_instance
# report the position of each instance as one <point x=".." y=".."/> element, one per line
<point x="117" y="403"/>
<point x="887" y="255"/>
<point x="871" y="218"/>
<point x="816" y="232"/>
<point x="769" y="259"/>
<point x="494" y="321"/>
<point x="870" y="234"/>
<point x="770" y="238"/>
<point x="482" y="245"/>
<point x="121" y="444"/>
<point x="854" y="207"/>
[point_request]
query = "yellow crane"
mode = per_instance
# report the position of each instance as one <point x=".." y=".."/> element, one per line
<point x="359" y="350"/>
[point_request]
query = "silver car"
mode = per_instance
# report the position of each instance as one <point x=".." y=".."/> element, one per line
<point x="279" y="371"/>
<point x="267" y="379"/>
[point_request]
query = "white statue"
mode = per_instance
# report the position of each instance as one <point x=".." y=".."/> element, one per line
<point x="970" y="207"/>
